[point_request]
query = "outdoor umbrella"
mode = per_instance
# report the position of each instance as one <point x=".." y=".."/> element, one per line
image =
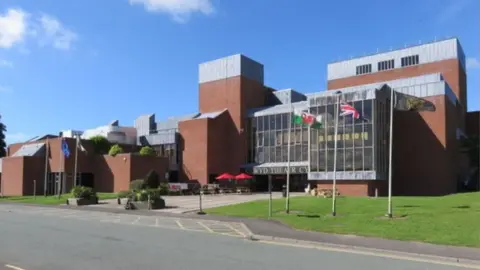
<point x="243" y="176"/>
<point x="225" y="176"/>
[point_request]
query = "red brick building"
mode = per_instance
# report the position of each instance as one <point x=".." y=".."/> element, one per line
<point x="29" y="164"/>
<point x="243" y="125"/>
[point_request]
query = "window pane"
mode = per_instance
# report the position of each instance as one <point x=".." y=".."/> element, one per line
<point x="321" y="161"/>
<point x="368" y="159"/>
<point x="285" y="118"/>
<point x="330" y="155"/>
<point x="260" y="123"/>
<point x="358" y="159"/>
<point x="304" y="153"/>
<point x="348" y="159"/>
<point x="278" y="121"/>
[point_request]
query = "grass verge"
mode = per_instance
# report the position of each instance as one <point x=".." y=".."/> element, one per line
<point x="51" y="200"/>
<point x="448" y="220"/>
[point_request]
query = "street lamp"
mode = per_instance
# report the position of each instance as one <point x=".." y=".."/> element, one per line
<point x="167" y="175"/>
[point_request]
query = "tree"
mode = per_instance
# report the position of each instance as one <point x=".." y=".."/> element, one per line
<point x="3" y="144"/>
<point x="115" y="150"/>
<point x="100" y="144"/>
<point x="147" y="151"/>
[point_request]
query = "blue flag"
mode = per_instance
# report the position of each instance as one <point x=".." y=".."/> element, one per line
<point x="65" y="150"/>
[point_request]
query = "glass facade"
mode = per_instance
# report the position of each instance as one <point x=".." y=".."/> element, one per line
<point x="268" y="139"/>
<point x="362" y="145"/>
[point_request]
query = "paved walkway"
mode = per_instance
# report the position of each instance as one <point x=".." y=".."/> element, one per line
<point x="189" y="203"/>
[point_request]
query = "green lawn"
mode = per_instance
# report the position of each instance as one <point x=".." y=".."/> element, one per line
<point x="450" y="220"/>
<point x="52" y="200"/>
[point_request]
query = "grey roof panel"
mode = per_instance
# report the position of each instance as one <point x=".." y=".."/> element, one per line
<point x="29" y="150"/>
<point x="172" y="122"/>
<point x="210" y="115"/>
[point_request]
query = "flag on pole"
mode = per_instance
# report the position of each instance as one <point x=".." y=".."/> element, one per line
<point x="404" y="102"/>
<point x="348" y="109"/>
<point x="305" y="118"/>
<point x="80" y="146"/>
<point x="65" y="149"/>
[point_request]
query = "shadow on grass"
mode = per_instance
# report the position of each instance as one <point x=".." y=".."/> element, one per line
<point x="462" y="207"/>
<point x="408" y="206"/>
<point x="308" y="216"/>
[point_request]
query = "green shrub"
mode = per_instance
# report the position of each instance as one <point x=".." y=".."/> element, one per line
<point x="125" y="194"/>
<point x="100" y="144"/>
<point x="144" y="194"/>
<point x="163" y="188"/>
<point x="115" y="150"/>
<point x="147" y="151"/>
<point x="152" y="180"/>
<point x="82" y="192"/>
<point x="137" y="185"/>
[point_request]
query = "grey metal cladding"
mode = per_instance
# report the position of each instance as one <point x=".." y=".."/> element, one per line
<point x="428" y="90"/>
<point x="144" y="124"/>
<point x="286" y="96"/>
<point x="162" y="137"/>
<point x="29" y="150"/>
<point x="428" y="53"/>
<point x="228" y="67"/>
<point x="283" y="108"/>
<point x="172" y="122"/>
<point x="344" y="175"/>
<point x="210" y="114"/>
<point x="252" y="69"/>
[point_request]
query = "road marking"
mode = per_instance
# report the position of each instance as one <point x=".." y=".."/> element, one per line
<point x="236" y="230"/>
<point x="376" y="254"/>
<point x="156" y="222"/>
<point x="13" y="267"/>
<point x="180" y="224"/>
<point x="205" y="226"/>
<point x="136" y="220"/>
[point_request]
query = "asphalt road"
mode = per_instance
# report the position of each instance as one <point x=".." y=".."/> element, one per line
<point x="42" y="242"/>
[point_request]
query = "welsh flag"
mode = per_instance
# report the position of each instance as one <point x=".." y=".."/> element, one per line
<point x="305" y="118"/>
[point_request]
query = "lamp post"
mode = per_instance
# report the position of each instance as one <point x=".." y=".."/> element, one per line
<point x="167" y="176"/>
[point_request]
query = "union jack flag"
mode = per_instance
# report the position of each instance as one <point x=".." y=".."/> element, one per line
<point x="348" y="109"/>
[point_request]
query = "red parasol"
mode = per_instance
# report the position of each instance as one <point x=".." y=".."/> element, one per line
<point x="225" y="176"/>
<point x="243" y="176"/>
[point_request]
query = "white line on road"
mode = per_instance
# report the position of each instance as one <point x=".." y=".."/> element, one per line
<point x="180" y="224"/>
<point x="205" y="226"/>
<point x="13" y="267"/>
<point x="236" y="230"/>
<point x="377" y="254"/>
<point x="136" y="220"/>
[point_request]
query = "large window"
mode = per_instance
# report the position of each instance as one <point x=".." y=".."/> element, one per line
<point x="354" y="140"/>
<point x="270" y="136"/>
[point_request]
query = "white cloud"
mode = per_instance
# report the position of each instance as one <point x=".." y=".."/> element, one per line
<point x="16" y="137"/>
<point x="180" y="10"/>
<point x="53" y="32"/>
<point x="13" y="27"/>
<point x="473" y="63"/>
<point x="5" y="63"/>
<point x="16" y="26"/>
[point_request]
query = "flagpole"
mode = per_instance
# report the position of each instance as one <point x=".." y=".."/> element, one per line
<point x="308" y="146"/>
<point x="60" y="168"/>
<point x="287" y="201"/>
<point x="334" y="192"/>
<point x="46" y="168"/>
<point x="77" y="141"/>
<point x="390" y="155"/>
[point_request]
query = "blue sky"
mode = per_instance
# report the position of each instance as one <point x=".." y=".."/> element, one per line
<point x="79" y="64"/>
